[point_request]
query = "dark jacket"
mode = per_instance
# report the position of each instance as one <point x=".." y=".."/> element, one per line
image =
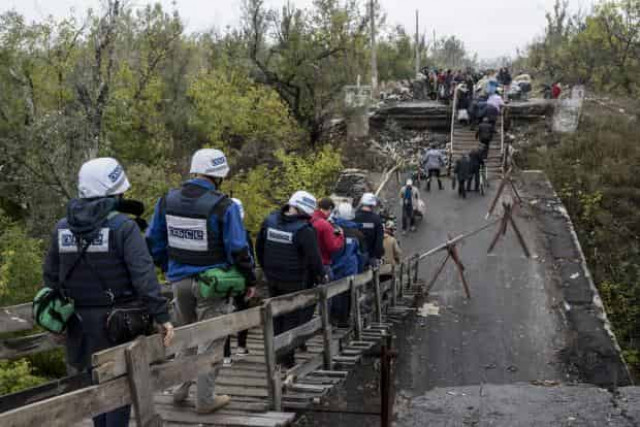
<point x="463" y="169"/>
<point x="125" y="245"/>
<point x="485" y="132"/>
<point x="373" y="232"/>
<point x="475" y="157"/>
<point x="304" y="249"/>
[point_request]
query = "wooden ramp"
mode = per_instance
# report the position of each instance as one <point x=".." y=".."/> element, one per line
<point x="464" y="140"/>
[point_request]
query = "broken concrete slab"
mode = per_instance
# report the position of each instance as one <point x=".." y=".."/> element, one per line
<point x="520" y="405"/>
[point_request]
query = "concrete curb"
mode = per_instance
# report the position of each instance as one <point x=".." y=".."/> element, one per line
<point x="593" y="348"/>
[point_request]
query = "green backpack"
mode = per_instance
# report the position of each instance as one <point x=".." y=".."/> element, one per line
<point x="52" y="310"/>
<point x="221" y="283"/>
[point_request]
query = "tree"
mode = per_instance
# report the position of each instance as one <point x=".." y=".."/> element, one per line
<point x="311" y="56"/>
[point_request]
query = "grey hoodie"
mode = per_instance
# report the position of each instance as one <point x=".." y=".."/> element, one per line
<point x="433" y="159"/>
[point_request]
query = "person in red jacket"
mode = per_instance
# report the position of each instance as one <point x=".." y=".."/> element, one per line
<point x="330" y="238"/>
<point x="556" y="90"/>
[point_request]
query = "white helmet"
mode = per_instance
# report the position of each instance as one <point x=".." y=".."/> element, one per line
<point x="101" y="177"/>
<point x="303" y="201"/>
<point x="210" y="162"/>
<point x="409" y="182"/>
<point x="344" y="211"/>
<point x="369" y="199"/>
<point x="240" y="206"/>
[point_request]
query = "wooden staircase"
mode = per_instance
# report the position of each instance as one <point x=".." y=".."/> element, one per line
<point x="463" y="140"/>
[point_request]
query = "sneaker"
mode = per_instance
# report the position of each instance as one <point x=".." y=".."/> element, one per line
<point x="242" y="352"/>
<point x="181" y="392"/>
<point x="404" y="232"/>
<point x="413" y="229"/>
<point x="218" y="402"/>
<point x="227" y="361"/>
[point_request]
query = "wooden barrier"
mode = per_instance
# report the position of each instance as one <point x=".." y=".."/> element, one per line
<point x="131" y="373"/>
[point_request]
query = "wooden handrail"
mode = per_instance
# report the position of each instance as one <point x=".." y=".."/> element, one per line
<point x="453" y="119"/>
<point x="113" y="368"/>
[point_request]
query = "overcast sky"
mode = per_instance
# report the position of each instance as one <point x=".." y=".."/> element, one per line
<point x="491" y="28"/>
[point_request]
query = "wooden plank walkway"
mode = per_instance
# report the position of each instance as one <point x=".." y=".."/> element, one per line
<point x="140" y="372"/>
<point x="246" y="382"/>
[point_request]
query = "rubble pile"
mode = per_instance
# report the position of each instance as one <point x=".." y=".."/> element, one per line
<point x="352" y="183"/>
<point x="394" y="142"/>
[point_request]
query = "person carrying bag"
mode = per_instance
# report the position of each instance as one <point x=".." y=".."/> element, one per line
<point x="96" y="311"/>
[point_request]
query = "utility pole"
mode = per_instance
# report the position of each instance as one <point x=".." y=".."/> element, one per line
<point x="374" y="53"/>
<point x="417" y="44"/>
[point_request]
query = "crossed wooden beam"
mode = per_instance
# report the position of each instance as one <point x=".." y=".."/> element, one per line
<point x="506" y="180"/>
<point x="453" y="254"/>
<point x="507" y="218"/>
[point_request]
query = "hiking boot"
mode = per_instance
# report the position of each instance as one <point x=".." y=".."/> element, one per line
<point x="181" y="392"/>
<point x="242" y="351"/>
<point x="218" y="402"/>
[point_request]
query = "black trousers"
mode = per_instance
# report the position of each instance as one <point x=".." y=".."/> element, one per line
<point x="339" y="309"/>
<point x="475" y="177"/>
<point x="288" y="321"/>
<point x="462" y="192"/>
<point x="241" y="304"/>
<point x="432" y="173"/>
<point x="408" y="217"/>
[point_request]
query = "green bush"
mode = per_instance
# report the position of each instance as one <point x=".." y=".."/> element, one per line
<point x="20" y="263"/>
<point x="263" y="189"/>
<point x="16" y="376"/>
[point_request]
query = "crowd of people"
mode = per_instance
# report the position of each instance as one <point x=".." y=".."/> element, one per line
<point x="99" y="259"/>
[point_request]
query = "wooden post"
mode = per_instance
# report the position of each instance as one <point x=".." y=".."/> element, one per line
<point x="417" y="47"/>
<point x="400" y="283"/>
<point x="140" y="384"/>
<point x="277" y="382"/>
<point x="415" y="269"/>
<point x="439" y="271"/>
<point x="378" y="296"/>
<point x="409" y="274"/>
<point x="394" y="289"/>
<point x="374" y="50"/>
<point x="270" y="355"/>
<point x="355" y="311"/>
<point x="326" y="328"/>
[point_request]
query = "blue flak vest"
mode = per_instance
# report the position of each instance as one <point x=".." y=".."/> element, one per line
<point x="282" y="260"/>
<point x="102" y="277"/>
<point x="407" y="197"/>
<point x="345" y="262"/>
<point x="192" y="238"/>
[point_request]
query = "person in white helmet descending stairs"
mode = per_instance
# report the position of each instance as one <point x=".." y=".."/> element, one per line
<point x="287" y="249"/>
<point x="98" y="259"/>
<point x="198" y="239"/>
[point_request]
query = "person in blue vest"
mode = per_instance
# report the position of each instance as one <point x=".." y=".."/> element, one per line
<point x="196" y="228"/>
<point x="348" y="261"/>
<point x="371" y="227"/>
<point x="287" y="249"/>
<point x="99" y="258"/>
<point x="410" y="197"/>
